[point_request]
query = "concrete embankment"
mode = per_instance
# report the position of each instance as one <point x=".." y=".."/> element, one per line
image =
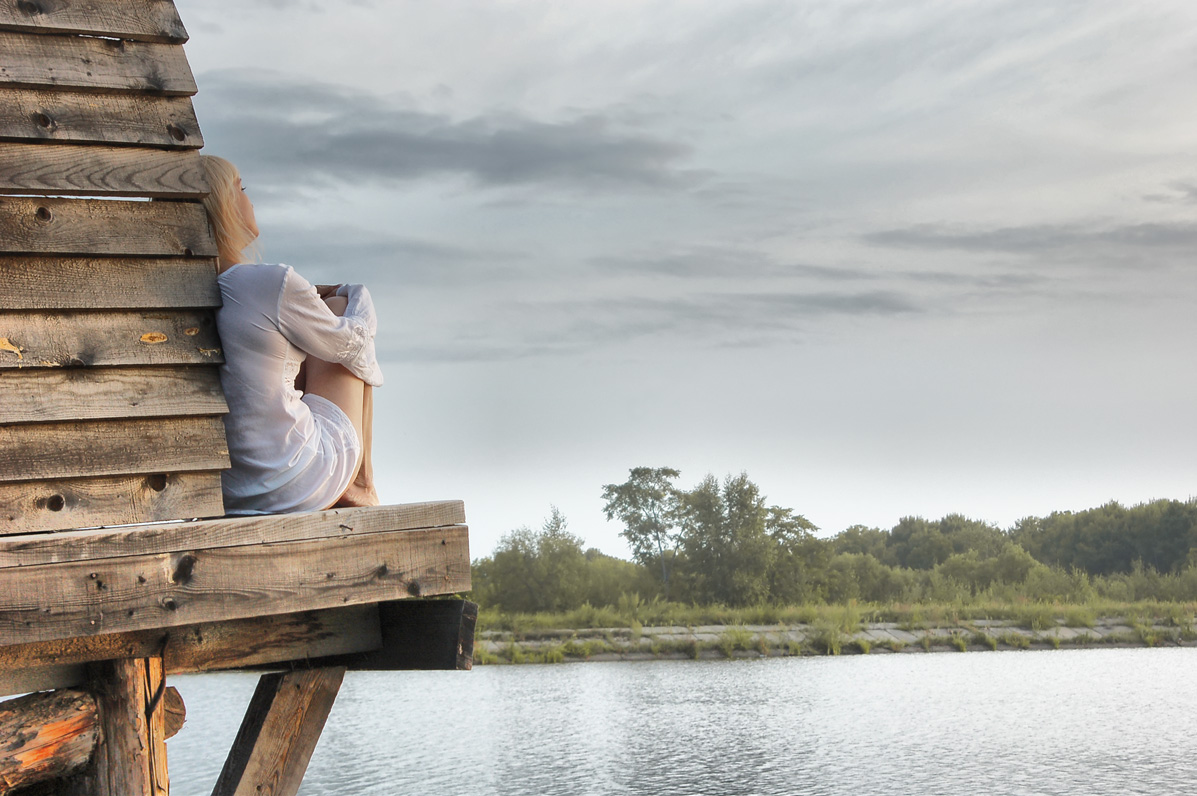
<point x="744" y="641"/>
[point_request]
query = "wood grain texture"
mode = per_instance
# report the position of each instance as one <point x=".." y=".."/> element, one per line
<point x="91" y="118"/>
<point x="116" y="595"/>
<point x="34" y="506"/>
<point x="85" y="545"/>
<point x="97" y="226"/>
<point x="40" y="396"/>
<point x="69" y="283"/>
<point x="111" y="447"/>
<point x="142" y="20"/>
<point x="53" y="339"/>
<point x="279" y="733"/>
<point x="74" y="170"/>
<point x="210" y="646"/>
<point x="46" y="736"/>
<point x="30" y="60"/>
<point x="132" y="759"/>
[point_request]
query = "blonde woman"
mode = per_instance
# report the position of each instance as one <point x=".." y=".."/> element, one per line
<point x="298" y="372"/>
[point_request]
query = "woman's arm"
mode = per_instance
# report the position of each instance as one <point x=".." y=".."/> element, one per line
<point x="311" y="326"/>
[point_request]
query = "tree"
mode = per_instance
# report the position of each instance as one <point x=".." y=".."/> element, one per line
<point x="647" y="505"/>
<point x="533" y="571"/>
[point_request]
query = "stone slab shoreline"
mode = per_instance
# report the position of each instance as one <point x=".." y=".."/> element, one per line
<point x="748" y="641"/>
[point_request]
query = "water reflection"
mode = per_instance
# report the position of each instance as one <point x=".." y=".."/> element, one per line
<point x="1104" y="721"/>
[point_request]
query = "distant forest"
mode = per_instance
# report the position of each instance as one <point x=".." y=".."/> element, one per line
<point x="719" y="543"/>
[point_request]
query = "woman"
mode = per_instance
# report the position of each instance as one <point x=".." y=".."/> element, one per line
<point x="299" y="367"/>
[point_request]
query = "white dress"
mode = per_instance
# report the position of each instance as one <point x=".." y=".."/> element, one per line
<point x="289" y="452"/>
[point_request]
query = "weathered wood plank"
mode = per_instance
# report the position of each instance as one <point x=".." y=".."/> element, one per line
<point x="132" y="759"/>
<point x="32" y="506"/>
<point x="72" y="170"/>
<point x="90" y="118"/>
<point x="279" y="733"/>
<point x="142" y="20"/>
<point x="46" y="736"/>
<point x="115" y="595"/>
<point x="97" y="226"/>
<point x="75" y="283"/>
<point x="31" y="60"/>
<point x="41" y="396"/>
<point x="57" y="339"/>
<point x="24" y="551"/>
<point x="210" y="646"/>
<point x="111" y="447"/>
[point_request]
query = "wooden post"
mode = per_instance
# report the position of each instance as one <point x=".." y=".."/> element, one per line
<point x="279" y="732"/>
<point x="131" y="761"/>
<point x="46" y="736"/>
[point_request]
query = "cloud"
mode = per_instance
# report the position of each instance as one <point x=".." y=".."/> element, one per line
<point x="1182" y="193"/>
<point x="717" y="262"/>
<point x="1039" y="238"/>
<point x="297" y="134"/>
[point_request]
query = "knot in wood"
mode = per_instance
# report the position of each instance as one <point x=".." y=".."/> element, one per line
<point x="44" y="214"/>
<point x="44" y="120"/>
<point x="183" y="569"/>
<point x="29" y="8"/>
<point x="176" y="132"/>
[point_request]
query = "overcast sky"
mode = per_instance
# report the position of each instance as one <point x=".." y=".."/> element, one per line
<point x="889" y="258"/>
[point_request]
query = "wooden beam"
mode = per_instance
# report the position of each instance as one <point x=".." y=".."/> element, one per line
<point x="143" y="20"/>
<point x="98" y="226"/>
<point x="46" y="736"/>
<point x="36" y="506"/>
<point x="132" y="759"/>
<point x="112" y="447"/>
<point x="279" y="733"/>
<point x="418" y="634"/>
<point x="42" y="396"/>
<point x="110" y="283"/>
<point x="211" y="646"/>
<point x="115" y="595"/>
<point x="24" y="551"/>
<point x="73" y="170"/>
<point x="52" y="735"/>
<point x="77" y="339"/>
<point x="89" y="118"/>
<point x="30" y="60"/>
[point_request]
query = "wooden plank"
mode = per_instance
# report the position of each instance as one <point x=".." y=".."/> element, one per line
<point x="132" y="759"/>
<point x="111" y="447"/>
<point x="41" y="396"/>
<point x="116" y="595"/>
<point x="97" y="226"/>
<point x="24" y="551"/>
<point x="46" y="736"/>
<point x="33" y="506"/>
<point x="75" y="283"/>
<point x="418" y="634"/>
<point x="54" y="339"/>
<point x="73" y="170"/>
<point x="210" y="646"/>
<point x="142" y="20"/>
<point x="279" y="733"/>
<point x="90" y="118"/>
<point x="30" y="60"/>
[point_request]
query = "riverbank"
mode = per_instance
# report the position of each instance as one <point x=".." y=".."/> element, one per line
<point x="671" y="642"/>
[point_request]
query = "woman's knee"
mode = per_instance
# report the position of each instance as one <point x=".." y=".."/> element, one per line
<point x="338" y="304"/>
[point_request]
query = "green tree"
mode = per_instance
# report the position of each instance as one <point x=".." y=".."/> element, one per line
<point x="530" y="571"/>
<point x="647" y="505"/>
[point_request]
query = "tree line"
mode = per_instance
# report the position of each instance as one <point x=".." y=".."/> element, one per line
<point x="721" y="542"/>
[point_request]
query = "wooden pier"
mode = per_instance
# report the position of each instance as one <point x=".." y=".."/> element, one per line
<point x="117" y="566"/>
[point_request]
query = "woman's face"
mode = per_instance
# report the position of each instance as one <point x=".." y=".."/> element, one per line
<point x="247" y="209"/>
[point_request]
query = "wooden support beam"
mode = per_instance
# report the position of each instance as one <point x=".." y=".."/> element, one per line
<point x="132" y="759"/>
<point x="105" y="226"/>
<point x="279" y="733"/>
<point x="144" y="20"/>
<point x="96" y="170"/>
<point x="31" y="60"/>
<point x="46" y="736"/>
<point x="122" y="119"/>
<point x="211" y="646"/>
<point x="107" y="283"/>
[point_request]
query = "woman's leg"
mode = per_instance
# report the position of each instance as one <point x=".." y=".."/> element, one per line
<point x="334" y="383"/>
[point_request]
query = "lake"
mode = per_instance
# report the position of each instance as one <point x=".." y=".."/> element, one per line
<point x="1085" y="721"/>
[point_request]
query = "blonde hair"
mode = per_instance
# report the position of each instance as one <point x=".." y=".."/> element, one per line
<point x="233" y="238"/>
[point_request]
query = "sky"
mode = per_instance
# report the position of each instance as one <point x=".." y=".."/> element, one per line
<point x="888" y="258"/>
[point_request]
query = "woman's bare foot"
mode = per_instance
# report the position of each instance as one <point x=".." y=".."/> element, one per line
<point x="358" y="495"/>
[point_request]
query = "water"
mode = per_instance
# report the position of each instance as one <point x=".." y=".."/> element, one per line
<point x="1092" y="721"/>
